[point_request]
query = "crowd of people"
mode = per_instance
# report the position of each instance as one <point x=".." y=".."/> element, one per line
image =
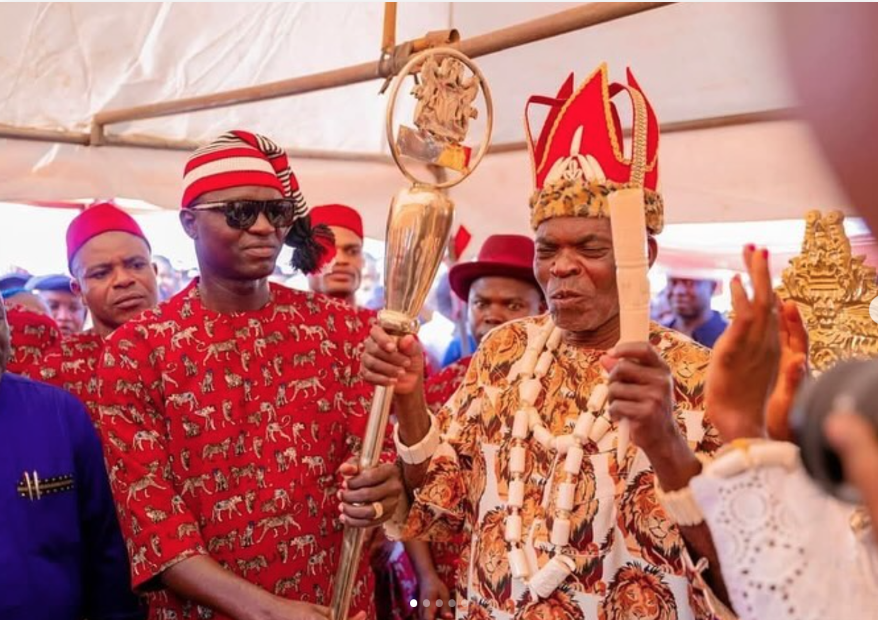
<point x="192" y="453"/>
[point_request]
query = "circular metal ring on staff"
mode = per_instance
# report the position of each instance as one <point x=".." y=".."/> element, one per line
<point x="407" y="70"/>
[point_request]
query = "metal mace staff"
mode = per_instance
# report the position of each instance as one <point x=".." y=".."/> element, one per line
<point x="417" y="233"/>
<point x="418" y="228"/>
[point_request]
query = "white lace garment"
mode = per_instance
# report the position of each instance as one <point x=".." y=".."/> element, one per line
<point x="787" y="550"/>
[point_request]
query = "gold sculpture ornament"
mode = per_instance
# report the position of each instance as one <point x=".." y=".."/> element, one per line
<point x="418" y="228"/>
<point x="833" y="290"/>
<point x="446" y="97"/>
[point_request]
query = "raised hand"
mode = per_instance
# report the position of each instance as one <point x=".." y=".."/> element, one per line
<point x="744" y="363"/>
<point x="793" y="369"/>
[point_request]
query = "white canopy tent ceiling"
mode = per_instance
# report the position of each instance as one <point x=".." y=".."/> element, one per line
<point x="60" y="64"/>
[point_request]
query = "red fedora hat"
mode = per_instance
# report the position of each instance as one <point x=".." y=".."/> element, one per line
<point x="509" y="256"/>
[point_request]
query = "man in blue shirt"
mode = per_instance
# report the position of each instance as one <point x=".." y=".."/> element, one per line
<point x="61" y="552"/>
<point x="690" y="304"/>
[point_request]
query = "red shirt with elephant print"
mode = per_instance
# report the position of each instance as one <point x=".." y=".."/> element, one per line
<point x="223" y="434"/>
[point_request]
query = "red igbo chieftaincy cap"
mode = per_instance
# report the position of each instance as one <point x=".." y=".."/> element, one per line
<point x="509" y="256"/>
<point x="96" y="220"/>
<point x="241" y="158"/>
<point x="342" y="216"/>
<point x="578" y="159"/>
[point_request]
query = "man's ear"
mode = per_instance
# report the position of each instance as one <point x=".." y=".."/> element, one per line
<point x="652" y="245"/>
<point x="188" y="220"/>
<point x="76" y="289"/>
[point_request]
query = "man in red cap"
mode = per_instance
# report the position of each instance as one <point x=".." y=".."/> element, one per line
<point x="342" y="279"/>
<point x="109" y="258"/>
<point x="228" y="411"/>
<point x="498" y="287"/>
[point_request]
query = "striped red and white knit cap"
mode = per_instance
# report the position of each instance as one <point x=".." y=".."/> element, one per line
<point x="235" y="159"/>
<point x="240" y="158"/>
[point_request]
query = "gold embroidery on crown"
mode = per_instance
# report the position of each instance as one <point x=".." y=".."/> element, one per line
<point x="580" y="198"/>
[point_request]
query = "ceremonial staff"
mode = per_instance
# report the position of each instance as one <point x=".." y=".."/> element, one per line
<point x="628" y="223"/>
<point x="418" y="228"/>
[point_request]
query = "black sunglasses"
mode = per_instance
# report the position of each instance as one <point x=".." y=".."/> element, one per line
<point x="242" y="214"/>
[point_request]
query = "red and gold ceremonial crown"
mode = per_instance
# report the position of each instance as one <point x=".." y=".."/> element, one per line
<point x="578" y="159"/>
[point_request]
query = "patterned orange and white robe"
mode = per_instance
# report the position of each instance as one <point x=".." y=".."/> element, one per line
<point x="628" y="555"/>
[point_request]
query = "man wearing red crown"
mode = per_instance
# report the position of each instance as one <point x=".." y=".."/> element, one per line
<point x="567" y="521"/>
<point x="229" y="411"/>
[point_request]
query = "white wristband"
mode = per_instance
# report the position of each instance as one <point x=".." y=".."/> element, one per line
<point x="421" y="451"/>
<point x="743" y="454"/>
<point x="679" y="505"/>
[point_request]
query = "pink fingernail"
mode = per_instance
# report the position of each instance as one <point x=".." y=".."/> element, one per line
<point x="765" y="253"/>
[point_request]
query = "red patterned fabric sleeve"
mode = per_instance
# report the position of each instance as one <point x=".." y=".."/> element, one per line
<point x="441" y="387"/>
<point x="159" y="528"/>
<point x="32" y="336"/>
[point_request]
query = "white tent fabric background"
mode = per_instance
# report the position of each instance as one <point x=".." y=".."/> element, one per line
<point x="62" y="63"/>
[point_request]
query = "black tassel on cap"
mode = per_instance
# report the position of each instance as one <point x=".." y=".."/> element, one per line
<point x="313" y="248"/>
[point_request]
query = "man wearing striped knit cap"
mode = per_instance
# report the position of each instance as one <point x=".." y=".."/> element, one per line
<point x="232" y="407"/>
